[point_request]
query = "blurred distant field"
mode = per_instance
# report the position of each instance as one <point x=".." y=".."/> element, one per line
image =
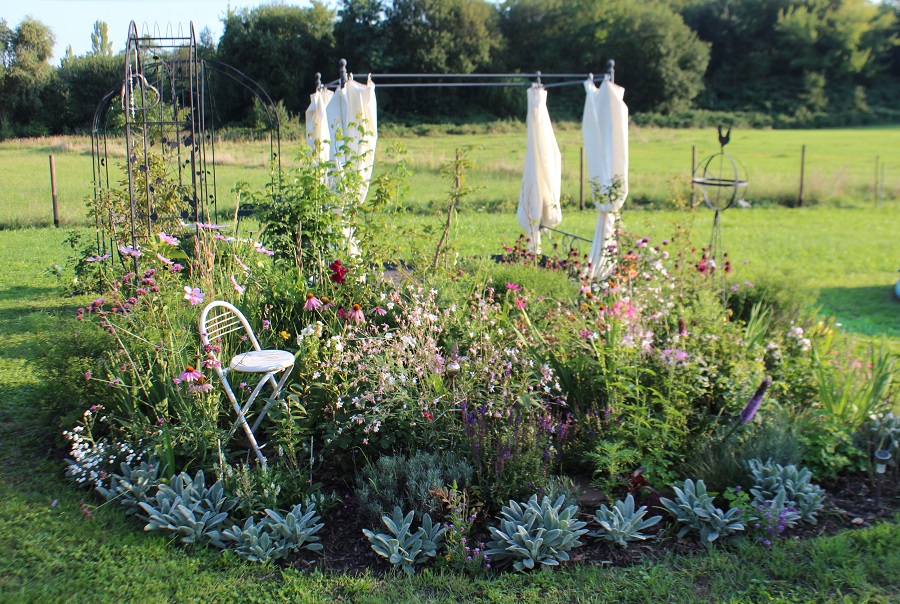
<point x="840" y="167"/>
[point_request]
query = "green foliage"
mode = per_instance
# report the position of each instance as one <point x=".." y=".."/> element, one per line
<point x="403" y="548"/>
<point x="789" y="485"/>
<point x="535" y="533"/>
<point x="407" y="482"/>
<point x="694" y="507"/>
<point x="188" y="509"/>
<point x="276" y="536"/>
<point x="622" y="523"/>
<point x="610" y="461"/>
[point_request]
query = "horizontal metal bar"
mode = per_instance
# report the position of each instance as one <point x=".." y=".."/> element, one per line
<point x="476" y="75"/>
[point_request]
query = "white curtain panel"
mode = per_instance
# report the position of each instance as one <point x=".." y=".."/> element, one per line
<point x="605" y="130"/>
<point x="541" y="180"/>
<point x="354" y="111"/>
<point x="318" y="135"/>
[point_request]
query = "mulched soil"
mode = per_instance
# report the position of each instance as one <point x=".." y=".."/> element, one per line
<point x="849" y="504"/>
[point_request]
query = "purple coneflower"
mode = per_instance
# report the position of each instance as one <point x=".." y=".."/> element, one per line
<point x="379" y="311"/>
<point x="356" y="315"/>
<point x="190" y="375"/>
<point x="312" y="303"/>
<point x="755" y="402"/>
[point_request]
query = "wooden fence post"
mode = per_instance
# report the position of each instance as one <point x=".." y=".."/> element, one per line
<point x="53" y="192"/>
<point x="693" y="169"/>
<point x="802" y="197"/>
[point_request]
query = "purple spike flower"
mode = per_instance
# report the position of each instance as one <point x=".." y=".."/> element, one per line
<point x="755" y="401"/>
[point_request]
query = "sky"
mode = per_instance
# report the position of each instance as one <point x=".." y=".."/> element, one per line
<point x="72" y="21"/>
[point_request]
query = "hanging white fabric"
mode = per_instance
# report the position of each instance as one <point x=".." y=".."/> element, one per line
<point x="353" y="111"/>
<point x="605" y="130"/>
<point x="542" y="178"/>
<point x="318" y="135"/>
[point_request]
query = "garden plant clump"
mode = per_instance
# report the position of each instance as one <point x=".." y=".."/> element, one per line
<point x="449" y="394"/>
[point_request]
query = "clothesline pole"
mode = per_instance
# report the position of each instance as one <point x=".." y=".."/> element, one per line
<point x="581" y="181"/>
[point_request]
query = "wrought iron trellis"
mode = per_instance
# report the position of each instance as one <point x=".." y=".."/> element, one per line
<point x="166" y="115"/>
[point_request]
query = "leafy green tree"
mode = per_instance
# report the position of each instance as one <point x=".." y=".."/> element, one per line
<point x="87" y="79"/>
<point x="101" y="45"/>
<point x="359" y="35"/>
<point x="28" y="74"/>
<point x="280" y="47"/>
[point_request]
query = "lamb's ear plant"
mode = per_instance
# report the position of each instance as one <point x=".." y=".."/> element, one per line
<point x="276" y="536"/>
<point x="694" y="507"/>
<point x="533" y="533"/>
<point x="622" y="523"/>
<point x="135" y="485"/>
<point x="188" y="509"/>
<point x="794" y="486"/>
<point x="403" y="548"/>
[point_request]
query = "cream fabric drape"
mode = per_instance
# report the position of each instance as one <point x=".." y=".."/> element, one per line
<point x="541" y="180"/>
<point x="605" y="130"/>
<point x="318" y="134"/>
<point x="354" y="111"/>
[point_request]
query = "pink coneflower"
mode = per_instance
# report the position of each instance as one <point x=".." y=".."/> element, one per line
<point x="312" y="303"/>
<point x="193" y="295"/>
<point x="167" y="238"/>
<point x="356" y="315"/>
<point x="127" y="250"/>
<point x="199" y="387"/>
<point x="190" y="375"/>
<point x="379" y="311"/>
<point x="164" y="260"/>
<point x="513" y="286"/>
<point x="237" y="287"/>
<point x="98" y="258"/>
<point x="585" y="288"/>
<point x="211" y="363"/>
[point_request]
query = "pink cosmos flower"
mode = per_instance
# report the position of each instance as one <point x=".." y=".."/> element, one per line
<point x="207" y="225"/>
<point x="221" y="237"/>
<point x="356" y="315"/>
<point x="241" y="264"/>
<point x="164" y="260"/>
<point x="190" y="375"/>
<point x="520" y="302"/>
<point x="193" y="295"/>
<point x="312" y="303"/>
<point x="262" y="250"/>
<point x="105" y="256"/>
<point x="167" y="238"/>
<point x="237" y="287"/>
<point x="513" y="286"/>
<point x="127" y="250"/>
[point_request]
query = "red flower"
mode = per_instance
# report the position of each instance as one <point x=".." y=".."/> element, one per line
<point x="338" y="272"/>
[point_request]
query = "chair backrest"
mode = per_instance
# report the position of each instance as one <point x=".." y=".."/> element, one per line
<point x="219" y="319"/>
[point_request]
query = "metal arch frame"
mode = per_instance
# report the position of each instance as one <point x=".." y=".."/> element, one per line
<point x="181" y="83"/>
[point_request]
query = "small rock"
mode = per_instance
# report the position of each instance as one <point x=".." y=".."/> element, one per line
<point x="857" y="521"/>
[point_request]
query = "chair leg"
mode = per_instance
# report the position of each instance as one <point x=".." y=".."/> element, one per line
<point x="275" y="392"/>
<point x="242" y="418"/>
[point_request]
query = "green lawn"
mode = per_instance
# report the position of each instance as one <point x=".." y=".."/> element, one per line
<point x="840" y="167"/>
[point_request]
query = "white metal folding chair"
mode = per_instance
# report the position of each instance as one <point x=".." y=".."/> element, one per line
<point x="219" y="319"/>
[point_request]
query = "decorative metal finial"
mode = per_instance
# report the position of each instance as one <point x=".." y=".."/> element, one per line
<point x="318" y="81"/>
<point x="611" y="70"/>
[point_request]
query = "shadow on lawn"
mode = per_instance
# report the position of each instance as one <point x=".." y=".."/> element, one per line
<point x="869" y="311"/>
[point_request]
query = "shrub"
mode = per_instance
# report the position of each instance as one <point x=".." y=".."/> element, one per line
<point x="791" y="484"/>
<point x="694" y="507"/>
<point x="622" y="523"/>
<point x="276" y="536"/>
<point x="135" y="485"/>
<point x="403" y="548"/>
<point x="408" y="482"/>
<point x="535" y="533"/>
<point x="188" y="509"/>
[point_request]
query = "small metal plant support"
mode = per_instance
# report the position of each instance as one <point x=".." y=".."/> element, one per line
<point x="165" y="114"/>
<point x="722" y="180"/>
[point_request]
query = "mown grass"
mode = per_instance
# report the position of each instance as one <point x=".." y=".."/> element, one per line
<point x="50" y="551"/>
<point x="840" y="167"/>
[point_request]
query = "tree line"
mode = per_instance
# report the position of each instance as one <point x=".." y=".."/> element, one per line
<point x="795" y="58"/>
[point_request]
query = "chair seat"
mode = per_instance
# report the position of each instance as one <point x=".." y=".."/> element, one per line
<point x="261" y="361"/>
